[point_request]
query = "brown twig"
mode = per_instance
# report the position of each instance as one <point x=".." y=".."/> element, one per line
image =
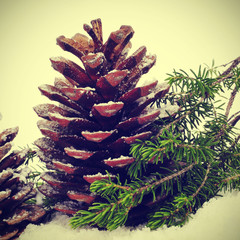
<point x="226" y="180"/>
<point x="231" y="178"/>
<point x="203" y="182"/>
<point x="235" y="62"/>
<point x="234" y="115"/>
<point x="156" y="183"/>
<point x="229" y="125"/>
<point x="230" y="102"/>
<point x="227" y="73"/>
<point x="235" y="141"/>
<point x="235" y="120"/>
<point x="168" y="178"/>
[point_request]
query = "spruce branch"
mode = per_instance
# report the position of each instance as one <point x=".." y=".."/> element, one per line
<point x="170" y="147"/>
<point x="190" y="168"/>
<point x="208" y="87"/>
<point x="178" y="211"/>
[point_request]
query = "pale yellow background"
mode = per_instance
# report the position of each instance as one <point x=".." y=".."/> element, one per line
<point x="183" y="34"/>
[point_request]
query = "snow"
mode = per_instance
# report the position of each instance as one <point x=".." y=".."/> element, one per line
<point x="49" y="178"/>
<point x="108" y="103"/>
<point x="23" y="174"/>
<point x="4" y="138"/>
<point x="39" y="198"/>
<point x="5" y="174"/>
<point x="6" y="134"/>
<point x="23" y="153"/>
<point x="171" y="109"/>
<point x="5" y="194"/>
<point x="65" y="164"/>
<point x="89" y="89"/>
<point x="98" y="136"/>
<point x="98" y="56"/>
<point x="58" y="59"/>
<point x="148" y="60"/>
<point x="218" y="219"/>
<point x="113" y="71"/>
<point x="22" y="193"/>
<point x="58" y="115"/>
<point x="99" y="175"/>
<point x="119" y="162"/>
<point x="97" y="132"/>
<point x="17" y="217"/>
<point x="119" y="158"/>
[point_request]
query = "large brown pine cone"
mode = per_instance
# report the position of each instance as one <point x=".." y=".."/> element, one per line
<point x="101" y="113"/>
<point x="15" y="214"/>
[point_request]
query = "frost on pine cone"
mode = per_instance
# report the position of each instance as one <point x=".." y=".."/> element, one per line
<point x="15" y="214"/>
<point x="101" y="113"/>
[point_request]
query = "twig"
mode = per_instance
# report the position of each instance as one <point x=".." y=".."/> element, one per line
<point x="235" y="141"/>
<point x="170" y="177"/>
<point x="162" y="180"/>
<point x="221" y="79"/>
<point x="235" y="114"/>
<point x="230" y="102"/>
<point x="234" y="121"/>
<point x="235" y="62"/>
<point x="227" y="74"/>
<point x="203" y="182"/>
<point x="231" y="178"/>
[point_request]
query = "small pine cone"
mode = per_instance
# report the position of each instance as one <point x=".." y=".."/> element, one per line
<point x="15" y="214"/>
<point x="101" y="112"/>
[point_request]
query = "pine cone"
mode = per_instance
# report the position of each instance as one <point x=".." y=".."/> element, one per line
<point x="101" y="113"/>
<point x="15" y="214"/>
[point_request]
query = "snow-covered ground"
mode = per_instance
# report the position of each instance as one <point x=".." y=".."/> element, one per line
<point x="218" y="219"/>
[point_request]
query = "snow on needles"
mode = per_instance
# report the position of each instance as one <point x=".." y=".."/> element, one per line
<point x="218" y="219"/>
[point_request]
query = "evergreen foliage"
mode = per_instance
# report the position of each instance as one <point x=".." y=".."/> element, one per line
<point x="201" y="139"/>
